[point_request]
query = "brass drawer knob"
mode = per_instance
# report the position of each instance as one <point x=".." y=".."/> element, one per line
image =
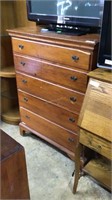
<point x="71" y="119"/>
<point x="73" y="78"/>
<point x="73" y="99"/>
<point x="24" y="81"/>
<point x="21" y="46"/>
<point x="25" y="99"/>
<point x="75" y="58"/>
<point x="70" y="139"/>
<point x="22" y="63"/>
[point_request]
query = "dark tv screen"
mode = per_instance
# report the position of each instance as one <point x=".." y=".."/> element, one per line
<point x="71" y="12"/>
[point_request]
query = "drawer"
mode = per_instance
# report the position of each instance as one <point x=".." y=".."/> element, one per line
<point x="68" y="99"/>
<point x="96" y="143"/>
<point x="74" y="58"/>
<point x="51" y="72"/>
<point x="51" y="112"/>
<point x="50" y="130"/>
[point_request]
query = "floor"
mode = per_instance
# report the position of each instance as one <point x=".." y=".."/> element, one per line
<point x="50" y="171"/>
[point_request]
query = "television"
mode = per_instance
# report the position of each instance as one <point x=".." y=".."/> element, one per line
<point x="104" y="55"/>
<point x="67" y="15"/>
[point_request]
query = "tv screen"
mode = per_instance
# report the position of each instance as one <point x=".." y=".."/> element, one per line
<point x="105" y="56"/>
<point x="80" y="13"/>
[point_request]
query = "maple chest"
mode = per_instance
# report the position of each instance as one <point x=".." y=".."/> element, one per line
<point x="51" y="73"/>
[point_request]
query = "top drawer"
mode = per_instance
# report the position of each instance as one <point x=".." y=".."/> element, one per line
<point x="58" y="54"/>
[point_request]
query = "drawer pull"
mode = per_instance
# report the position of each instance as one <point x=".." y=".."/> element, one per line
<point x="27" y="117"/>
<point x="73" y="99"/>
<point x="24" y="81"/>
<point x="73" y="78"/>
<point x="97" y="149"/>
<point x="75" y="58"/>
<point x="70" y="139"/>
<point x="25" y="99"/>
<point x="71" y="119"/>
<point x="21" y="46"/>
<point x="22" y="63"/>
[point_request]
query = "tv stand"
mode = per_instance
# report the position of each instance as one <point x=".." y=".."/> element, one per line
<point x="69" y="30"/>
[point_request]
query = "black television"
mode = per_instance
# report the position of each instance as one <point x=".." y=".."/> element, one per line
<point x="67" y="15"/>
<point x="104" y="55"/>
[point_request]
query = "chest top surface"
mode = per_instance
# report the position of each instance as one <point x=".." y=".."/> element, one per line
<point x="88" y="41"/>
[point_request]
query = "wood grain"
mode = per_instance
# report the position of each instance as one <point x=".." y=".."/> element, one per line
<point x="53" y="53"/>
<point x="96" y="143"/>
<point x="101" y="74"/>
<point x="57" y="95"/>
<point x="51" y="73"/>
<point x="48" y="129"/>
<point x="101" y="171"/>
<point x="95" y="122"/>
<point x="13" y="14"/>
<point x="56" y="73"/>
<point x="14" y="180"/>
<point x="96" y="112"/>
<point x="49" y="111"/>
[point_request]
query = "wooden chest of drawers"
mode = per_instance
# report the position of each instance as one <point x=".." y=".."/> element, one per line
<point x="51" y="73"/>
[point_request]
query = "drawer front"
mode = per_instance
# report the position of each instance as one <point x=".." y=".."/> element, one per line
<point x="68" y="99"/>
<point x="53" y="113"/>
<point x="54" y="73"/>
<point x="57" y="54"/>
<point x="96" y="143"/>
<point x="50" y="130"/>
